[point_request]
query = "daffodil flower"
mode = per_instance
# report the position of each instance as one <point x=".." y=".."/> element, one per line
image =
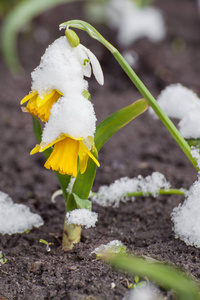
<point x="69" y="154"/>
<point x="89" y="63"/>
<point x="40" y="105"/>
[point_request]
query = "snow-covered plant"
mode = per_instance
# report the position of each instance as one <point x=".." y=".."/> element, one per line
<point x="69" y="139"/>
<point x="16" y="218"/>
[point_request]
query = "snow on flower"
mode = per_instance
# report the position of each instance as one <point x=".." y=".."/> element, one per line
<point x="72" y="136"/>
<point x="83" y="217"/>
<point x="116" y="192"/>
<point x="16" y="218"/>
<point x="57" y="74"/>
<point x="186" y="217"/>
<point x="61" y="70"/>
<point x="133" y="22"/>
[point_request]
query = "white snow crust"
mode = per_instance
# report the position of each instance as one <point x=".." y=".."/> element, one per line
<point x="134" y="23"/>
<point x="113" y="194"/>
<point x="114" y="247"/>
<point x="181" y="103"/>
<point x="176" y="101"/>
<point x="83" y="217"/>
<point x="189" y="126"/>
<point x="186" y="217"/>
<point x="16" y="218"/>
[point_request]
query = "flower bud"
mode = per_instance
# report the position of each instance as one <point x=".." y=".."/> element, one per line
<point x="72" y="38"/>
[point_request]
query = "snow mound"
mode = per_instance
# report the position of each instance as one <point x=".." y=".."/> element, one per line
<point x="176" y="101"/>
<point x="83" y="217"/>
<point x="186" y="217"/>
<point x="16" y="218"/>
<point x="116" y="192"/>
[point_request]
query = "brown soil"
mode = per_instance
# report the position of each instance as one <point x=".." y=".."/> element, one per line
<point x="142" y="147"/>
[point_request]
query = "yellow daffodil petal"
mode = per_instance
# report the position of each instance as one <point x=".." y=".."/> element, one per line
<point x="28" y="97"/>
<point x="83" y="151"/>
<point x="64" y="157"/>
<point x="66" y="152"/>
<point x="44" y="98"/>
<point x="83" y="158"/>
<point x="35" y="149"/>
<point x="41" y="106"/>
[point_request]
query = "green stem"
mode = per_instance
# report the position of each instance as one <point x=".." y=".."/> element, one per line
<point x="71" y="236"/>
<point x="137" y="82"/>
<point x="157" y="109"/>
<point x="160" y="192"/>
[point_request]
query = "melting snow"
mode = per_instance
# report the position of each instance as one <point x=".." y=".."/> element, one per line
<point x="114" y="246"/>
<point x="176" y="100"/>
<point x="186" y="217"/>
<point x="189" y="126"/>
<point x="116" y="192"/>
<point x="182" y="103"/>
<point x="148" y="292"/>
<point x="16" y="218"/>
<point x="82" y="217"/>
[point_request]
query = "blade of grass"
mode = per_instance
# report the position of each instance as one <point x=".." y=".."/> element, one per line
<point x="162" y="274"/>
<point x="19" y="16"/>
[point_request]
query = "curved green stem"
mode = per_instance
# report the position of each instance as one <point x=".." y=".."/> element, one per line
<point x="137" y="82"/>
<point x="160" y="192"/>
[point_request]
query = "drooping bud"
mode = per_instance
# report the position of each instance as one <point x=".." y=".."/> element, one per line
<point x="72" y="38"/>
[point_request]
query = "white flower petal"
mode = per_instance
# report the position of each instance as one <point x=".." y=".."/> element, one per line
<point x="81" y="54"/>
<point x="96" y="67"/>
<point x="87" y="71"/>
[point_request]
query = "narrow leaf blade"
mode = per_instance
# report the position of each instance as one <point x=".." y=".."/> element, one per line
<point x="164" y="275"/>
<point x="82" y="203"/>
<point x="117" y="120"/>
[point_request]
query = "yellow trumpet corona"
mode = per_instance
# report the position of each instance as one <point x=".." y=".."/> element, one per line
<point x="66" y="154"/>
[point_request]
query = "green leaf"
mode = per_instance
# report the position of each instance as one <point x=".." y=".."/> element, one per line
<point x="37" y="128"/>
<point x="82" y="203"/>
<point x="162" y="274"/>
<point x="84" y="182"/>
<point x="21" y="14"/>
<point x="117" y="120"/>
